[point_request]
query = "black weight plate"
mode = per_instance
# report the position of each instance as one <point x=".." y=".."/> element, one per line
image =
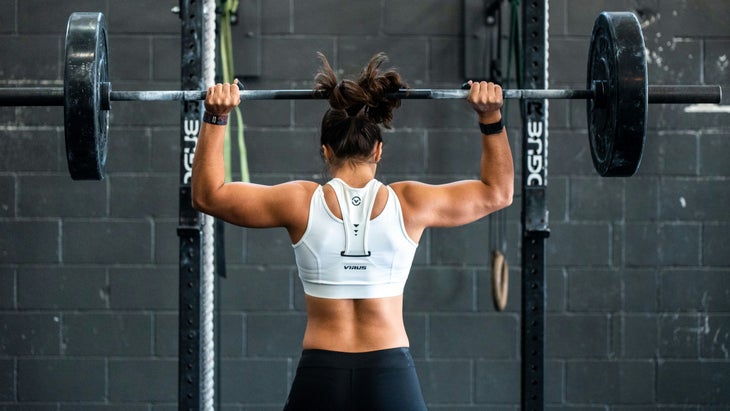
<point x="617" y="116"/>
<point x="86" y="124"/>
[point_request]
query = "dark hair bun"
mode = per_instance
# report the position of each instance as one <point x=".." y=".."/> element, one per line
<point x="367" y="96"/>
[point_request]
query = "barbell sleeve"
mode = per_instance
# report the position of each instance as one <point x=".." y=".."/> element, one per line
<point x="685" y="94"/>
<point x="32" y="96"/>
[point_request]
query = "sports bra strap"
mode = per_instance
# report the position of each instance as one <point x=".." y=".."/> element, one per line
<point x="356" y="205"/>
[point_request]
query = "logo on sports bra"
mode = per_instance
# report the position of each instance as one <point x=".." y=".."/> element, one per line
<point x="356" y="201"/>
<point x="356" y="267"/>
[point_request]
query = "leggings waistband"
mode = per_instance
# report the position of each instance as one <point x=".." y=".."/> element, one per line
<point x="389" y="358"/>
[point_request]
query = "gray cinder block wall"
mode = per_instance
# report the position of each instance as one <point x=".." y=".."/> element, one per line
<point x="638" y="290"/>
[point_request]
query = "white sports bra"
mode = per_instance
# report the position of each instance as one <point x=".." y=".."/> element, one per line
<point x="354" y="257"/>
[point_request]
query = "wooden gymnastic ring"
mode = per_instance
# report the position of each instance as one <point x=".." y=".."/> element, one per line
<point x="500" y="280"/>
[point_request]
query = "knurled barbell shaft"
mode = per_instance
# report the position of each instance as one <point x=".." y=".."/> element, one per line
<point x="53" y="96"/>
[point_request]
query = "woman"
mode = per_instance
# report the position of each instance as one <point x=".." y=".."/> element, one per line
<point x="354" y="238"/>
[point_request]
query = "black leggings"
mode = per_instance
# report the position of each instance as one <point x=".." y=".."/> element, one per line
<point x="382" y="380"/>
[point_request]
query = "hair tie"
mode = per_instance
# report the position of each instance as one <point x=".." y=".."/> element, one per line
<point x="353" y="111"/>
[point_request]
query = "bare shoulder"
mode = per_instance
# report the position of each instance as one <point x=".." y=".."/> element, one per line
<point x="297" y="190"/>
<point x="410" y="191"/>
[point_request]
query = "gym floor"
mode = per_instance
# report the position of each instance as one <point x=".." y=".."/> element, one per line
<point x="638" y="279"/>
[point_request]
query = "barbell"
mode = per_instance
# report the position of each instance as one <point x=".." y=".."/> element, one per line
<point x="617" y="95"/>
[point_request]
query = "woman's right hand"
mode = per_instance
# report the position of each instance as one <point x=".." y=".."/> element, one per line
<point x="221" y="99"/>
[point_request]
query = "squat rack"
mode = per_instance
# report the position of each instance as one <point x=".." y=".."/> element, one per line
<point x="534" y="215"/>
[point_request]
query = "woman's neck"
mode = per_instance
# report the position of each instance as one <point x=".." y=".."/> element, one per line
<point x="355" y="175"/>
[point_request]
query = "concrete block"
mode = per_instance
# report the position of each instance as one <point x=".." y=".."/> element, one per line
<point x="641" y="198"/>
<point x="8" y="288"/>
<point x="715" y="336"/>
<point x="142" y="380"/>
<point x="446" y="382"/>
<point x="556" y="197"/>
<point x="431" y="17"/>
<point x="693" y="382"/>
<point x="568" y="59"/>
<point x="465" y="335"/>
<point x="165" y="335"/>
<point x="445" y="62"/>
<point x="33" y="241"/>
<point x="118" y="241"/>
<point x="716" y="61"/>
<point x="166" y="53"/>
<point x="417" y="329"/>
<point x="7" y="380"/>
<point x="132" y="57"/>
<point x="254" y="381"/>
<point x="160" y="288"/>
<point x="256" y="289"/>
<point x="440" y="290"/>
<point x="293" y="58"/>
<point x="58" y="195"/>
<point x="554" y="373"/>
<point x="8" y="196"/>
<point x="557" y="290"/>
<point x="640" y="336"/>
<point x="713" y="161"/>
<point x="661" y="244"/>
<point x="165" y="150"/>
<point x="113" y="335"/>
<point x="65" y="288"/>
<point x="353" y="18"/>
<point x="7" y="20"/>
<point x="690" y="199"/>
<point x="167" y="242"/>
<point x="640" y="290"/>
<point x="38" y="150"/>
<point x="496" y="382"/>
<point x="407" y="54"/>
<point x="126" y="18"/>
<point x="679" y="336"/>
<point x="619" y="382"/>
<point x="269" y="246"/>
<point x="276" y="17"/>
<point x="454" y="152"/>
<point x="465" y="245"/>
<point x="578" y="244"/>
<point x="570" y="159"/>
<point x="274" y="335"/>
<point x="42" y="64"/>
<point x="273" y="151"/>
<point x="29" y="334"/>
<point x="404" y="152"/>
<point x="576" y="336"/>
<point x="596" y="198"/>
<point x="694" y="290"/>
<point x="129" y="149"/>
<point x="31" y="21"/>
<point x="670" y="154"/>
<point x="594" y="290"/>
<point x="62" y="379"/>
<point x="232" y="331"/>
<point x="134" y="196"/>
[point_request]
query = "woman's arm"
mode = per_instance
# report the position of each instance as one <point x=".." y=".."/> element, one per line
<point x="462" y="202"/>
<point x="244" y="204"/>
